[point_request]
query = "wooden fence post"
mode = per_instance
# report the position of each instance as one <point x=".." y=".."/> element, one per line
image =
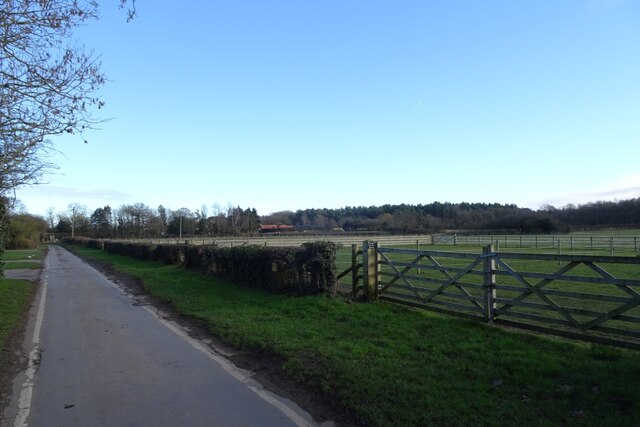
<point x="417" y="249"/>
<point x="354" y="269"/>
<point x="489" y="283"/>
<point x="370" y="267"/>
<point x="276" y="277"/>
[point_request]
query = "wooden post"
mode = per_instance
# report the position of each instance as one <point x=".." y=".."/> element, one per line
<point x="559" y="249"/>
<point x="370" y="273"/>
<point x="521" y="240"/>
<point x="354" y="269"/>
<point x="276" y="277"/>
<point x="536" y="241"/>
<point x="417" y="249"/>
<point x="635" y="244"/>
<point x="611" y="246"/>
<point x="591" y="242"/>
<point x="489" y="283"/>
<point x="571" y="242"/>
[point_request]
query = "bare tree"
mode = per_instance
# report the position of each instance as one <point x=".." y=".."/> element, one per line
<point x="50" y="217"/>
<point x="136" y="220"/>
<point x="77" y="216"/>
<point x="47" y="84"/>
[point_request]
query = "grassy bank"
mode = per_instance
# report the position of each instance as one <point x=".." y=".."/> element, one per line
<point x="23" y="258"/>
<point x="14" y="302"/>
<point x="389" y="365"/>
<point x="15" y="294"/>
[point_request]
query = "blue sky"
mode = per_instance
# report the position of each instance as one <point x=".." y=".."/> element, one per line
<point x="291" y="105"/>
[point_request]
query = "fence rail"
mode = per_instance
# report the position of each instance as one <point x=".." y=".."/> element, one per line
<point x="293" y="240"/>
<point x="594" y="298"/>
<point x="544" y="241"/>
<point x="559" y="242"/>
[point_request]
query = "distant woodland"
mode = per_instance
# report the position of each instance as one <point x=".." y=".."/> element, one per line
<point x="139" y="220"/>
<point x="435" y="217"/>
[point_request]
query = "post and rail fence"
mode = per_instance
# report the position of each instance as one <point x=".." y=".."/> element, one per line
<point x="558" y="242"/>
<point x="592" y="298"/>
<point x="283" y="240"/>
<point x="594" y="242"/>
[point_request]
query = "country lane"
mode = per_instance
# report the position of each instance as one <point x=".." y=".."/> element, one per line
<point x="99" y="359"/>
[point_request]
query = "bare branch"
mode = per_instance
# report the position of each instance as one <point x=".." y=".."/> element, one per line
<point x="47" y="86"/>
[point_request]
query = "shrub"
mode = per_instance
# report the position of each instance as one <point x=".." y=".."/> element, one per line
<point x="306" y="270"/>
<point x="168" y="254"/>
<point x="309" y="269"/>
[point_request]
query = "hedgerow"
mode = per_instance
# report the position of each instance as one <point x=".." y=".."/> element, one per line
<point x="309" y="269"/>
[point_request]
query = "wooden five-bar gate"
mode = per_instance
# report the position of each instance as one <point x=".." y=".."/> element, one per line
<point x="594" y="298"/>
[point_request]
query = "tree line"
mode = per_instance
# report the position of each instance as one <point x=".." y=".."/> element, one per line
<point x="139" y="220"/>
<point x="437" y="217"/>
<point x="421" y="218"/>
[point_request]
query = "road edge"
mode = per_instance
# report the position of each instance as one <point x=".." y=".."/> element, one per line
<point x="19" y="402"/>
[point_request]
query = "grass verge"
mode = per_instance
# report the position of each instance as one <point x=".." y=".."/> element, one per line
<point x="389" y="365"/>
<point x="23" y="254"/>
<point x="23" y="259"/>
<point x="15" y="296"/>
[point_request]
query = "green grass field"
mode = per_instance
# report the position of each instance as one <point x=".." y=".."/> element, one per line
<point x="23" y="258"/>
<point x="388" y="365"/>
<point x="14" y="302"/>
<point x="15" y="299"/>
<point x="15" y="294"/>
<point x="595" y="298"/>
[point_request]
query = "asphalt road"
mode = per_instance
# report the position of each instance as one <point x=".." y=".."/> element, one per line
<point x="99" y="359"/>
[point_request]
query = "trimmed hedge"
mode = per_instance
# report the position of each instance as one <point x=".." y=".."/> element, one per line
<point x="306" y="270"/>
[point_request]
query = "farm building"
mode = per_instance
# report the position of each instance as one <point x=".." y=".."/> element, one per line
<point x="274" y="228"/>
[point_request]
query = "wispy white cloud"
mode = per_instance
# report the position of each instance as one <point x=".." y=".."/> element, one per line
<point x="79" y="193"/>
<point x="418" y="105"/>
<point x="37" y="199"/>
<point x="596" y="7"/>
<point x="628" y="187"/>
